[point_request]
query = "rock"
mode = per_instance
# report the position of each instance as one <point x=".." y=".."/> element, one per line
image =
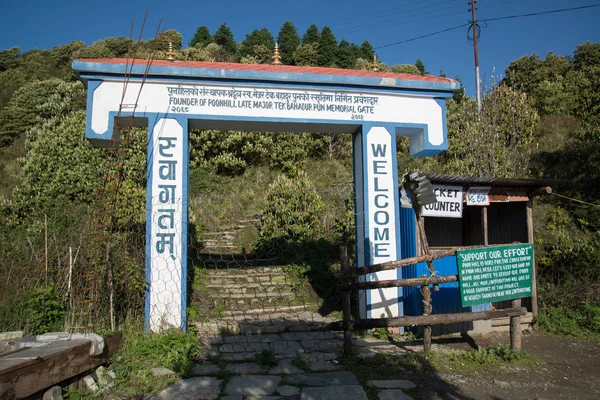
<point x="104" y="377"/>
<point x="392" y="384"/>
<point x="54" y="393"/>
<point x="393" y="394"/>
<point x="11" y="335"/>
<point x="285" y="366"/>
<point x="252" y="385"/>
<point x="325" y="366"/>
<point x="89" y="383"/>
<point x="323" y="379"/>
<point x="199" y="388"/>
<point x="286" y="390"/>
<point x="161" y="371"/>
<point x="346" y="392"/>
<point x="502" y="384"/>
<point x="245" y="368"/>
<point x="205" y="369"/>
<point x="231" y="398"/>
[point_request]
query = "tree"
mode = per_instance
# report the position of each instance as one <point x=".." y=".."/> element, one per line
<point x="328" y="47"/>
<point x="162" y="41"/>
<point x="421" y="67"/>
<point x="345" y="55"/>
<point x="37" y="101"/>
<point x="288" y="41"/>
<point x="366" y="51"/>
<point x="256" y="38"/>
<point x="224" y="38"/>
<point x="406" y="69"/>
<point x="306" y="54"/>
<point x="498" y="143"/>
<point x="9" y="58"/>
<point x="60" y="164"/>
<point x="201" y="37"/>
<point x="311" y="36"/>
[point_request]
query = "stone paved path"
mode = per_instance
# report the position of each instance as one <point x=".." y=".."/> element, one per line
<point x="306" y="369"/>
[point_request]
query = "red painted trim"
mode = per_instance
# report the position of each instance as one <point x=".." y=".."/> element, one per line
<point x="271" y="68"/>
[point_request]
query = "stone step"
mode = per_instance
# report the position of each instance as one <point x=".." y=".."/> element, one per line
<point x="256" y="271"/>
<point x="215" y="290"/>
<point x="229" y="260"/>
<point x="257" y="312"/>
<point x="247" y="303"/>
<point x="252" y="295"/>
<point x="247" y="281"/>
<point x="275" y="323"/>
<point x="314" y="346"/>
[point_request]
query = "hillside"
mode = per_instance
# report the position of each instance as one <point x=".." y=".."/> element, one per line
<point x="72" y="213"/>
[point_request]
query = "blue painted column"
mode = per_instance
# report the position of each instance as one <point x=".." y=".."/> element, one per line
<point x="377" y="210"/>
<point x="166" y="223"/>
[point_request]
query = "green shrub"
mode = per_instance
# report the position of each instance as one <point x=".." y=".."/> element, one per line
<point x="292" y="209"/>
<point x="46" y="311"/>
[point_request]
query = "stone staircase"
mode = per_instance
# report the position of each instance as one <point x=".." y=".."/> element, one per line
<point x="257" y="300"/>
<point x="223" y="241"/>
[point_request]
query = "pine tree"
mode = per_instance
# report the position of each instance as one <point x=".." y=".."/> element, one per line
<point x="201" y="37"/>
<point x="256" y="38"/>
<point x="328" y="48"/>
<point x="288" y="41"/>
<point x="345" y="55"/>
<point x="311" y="36"/>
<point x="224" y="38"/>
<point x="419" y="64"/>
<point x="367" y="51"/>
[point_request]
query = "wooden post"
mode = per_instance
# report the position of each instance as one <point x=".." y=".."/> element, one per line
<point x="534" y="297"/>
<point x="346" y="302"/>
<point x="484" y="225"/>
<point x="425" y="291"/>
<point x="515" y="328"/>
<point x="426" y="296"/>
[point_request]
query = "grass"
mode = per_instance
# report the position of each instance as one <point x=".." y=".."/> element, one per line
<point x="266" y="358"/>
<point x="488" y="358"/>
<point x="582" y="321"/>
<point x="171" y="349"/>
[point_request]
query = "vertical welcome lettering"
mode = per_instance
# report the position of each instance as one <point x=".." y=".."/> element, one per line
<point x="381" y="217"/>
<point x="166" y="251"/>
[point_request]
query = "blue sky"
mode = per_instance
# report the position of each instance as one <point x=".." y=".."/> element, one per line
<point x="42" y="24"/>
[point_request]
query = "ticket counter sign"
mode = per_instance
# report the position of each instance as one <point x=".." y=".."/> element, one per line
<point x="449" y="202"/>
<point x="491" y="274"/>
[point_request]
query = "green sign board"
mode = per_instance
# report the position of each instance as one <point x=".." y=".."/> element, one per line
<point x="494" y="274"/>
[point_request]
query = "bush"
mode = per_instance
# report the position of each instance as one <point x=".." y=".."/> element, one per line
<point x="46" y="311"/>
<point x="292" y="212"/>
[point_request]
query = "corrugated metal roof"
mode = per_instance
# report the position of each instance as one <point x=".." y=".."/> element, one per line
<point x="507" y="182"/>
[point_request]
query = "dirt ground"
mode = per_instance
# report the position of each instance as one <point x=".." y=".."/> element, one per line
<point x="571" y="370"/>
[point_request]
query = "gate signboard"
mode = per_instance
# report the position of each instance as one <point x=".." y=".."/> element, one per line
<point x="493" y="274"/>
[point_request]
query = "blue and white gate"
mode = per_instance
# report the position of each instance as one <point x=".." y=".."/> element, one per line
<point x="174" y="97"/>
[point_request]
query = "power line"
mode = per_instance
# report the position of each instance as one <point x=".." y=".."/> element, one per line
<point x="423" y="36"/>
<point x="540" y="13"/>
<point x="486" y="20"/>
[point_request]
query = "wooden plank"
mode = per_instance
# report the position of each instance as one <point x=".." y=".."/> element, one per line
<point x="430" y="280"/>
<point x="423" y="320"/>
<point x="435" y="255"/>
<point x="54" y="365"/>
<point x="505" y="321"/>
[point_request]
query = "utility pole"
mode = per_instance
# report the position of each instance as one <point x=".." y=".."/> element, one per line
<point x="476" y="51"/>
